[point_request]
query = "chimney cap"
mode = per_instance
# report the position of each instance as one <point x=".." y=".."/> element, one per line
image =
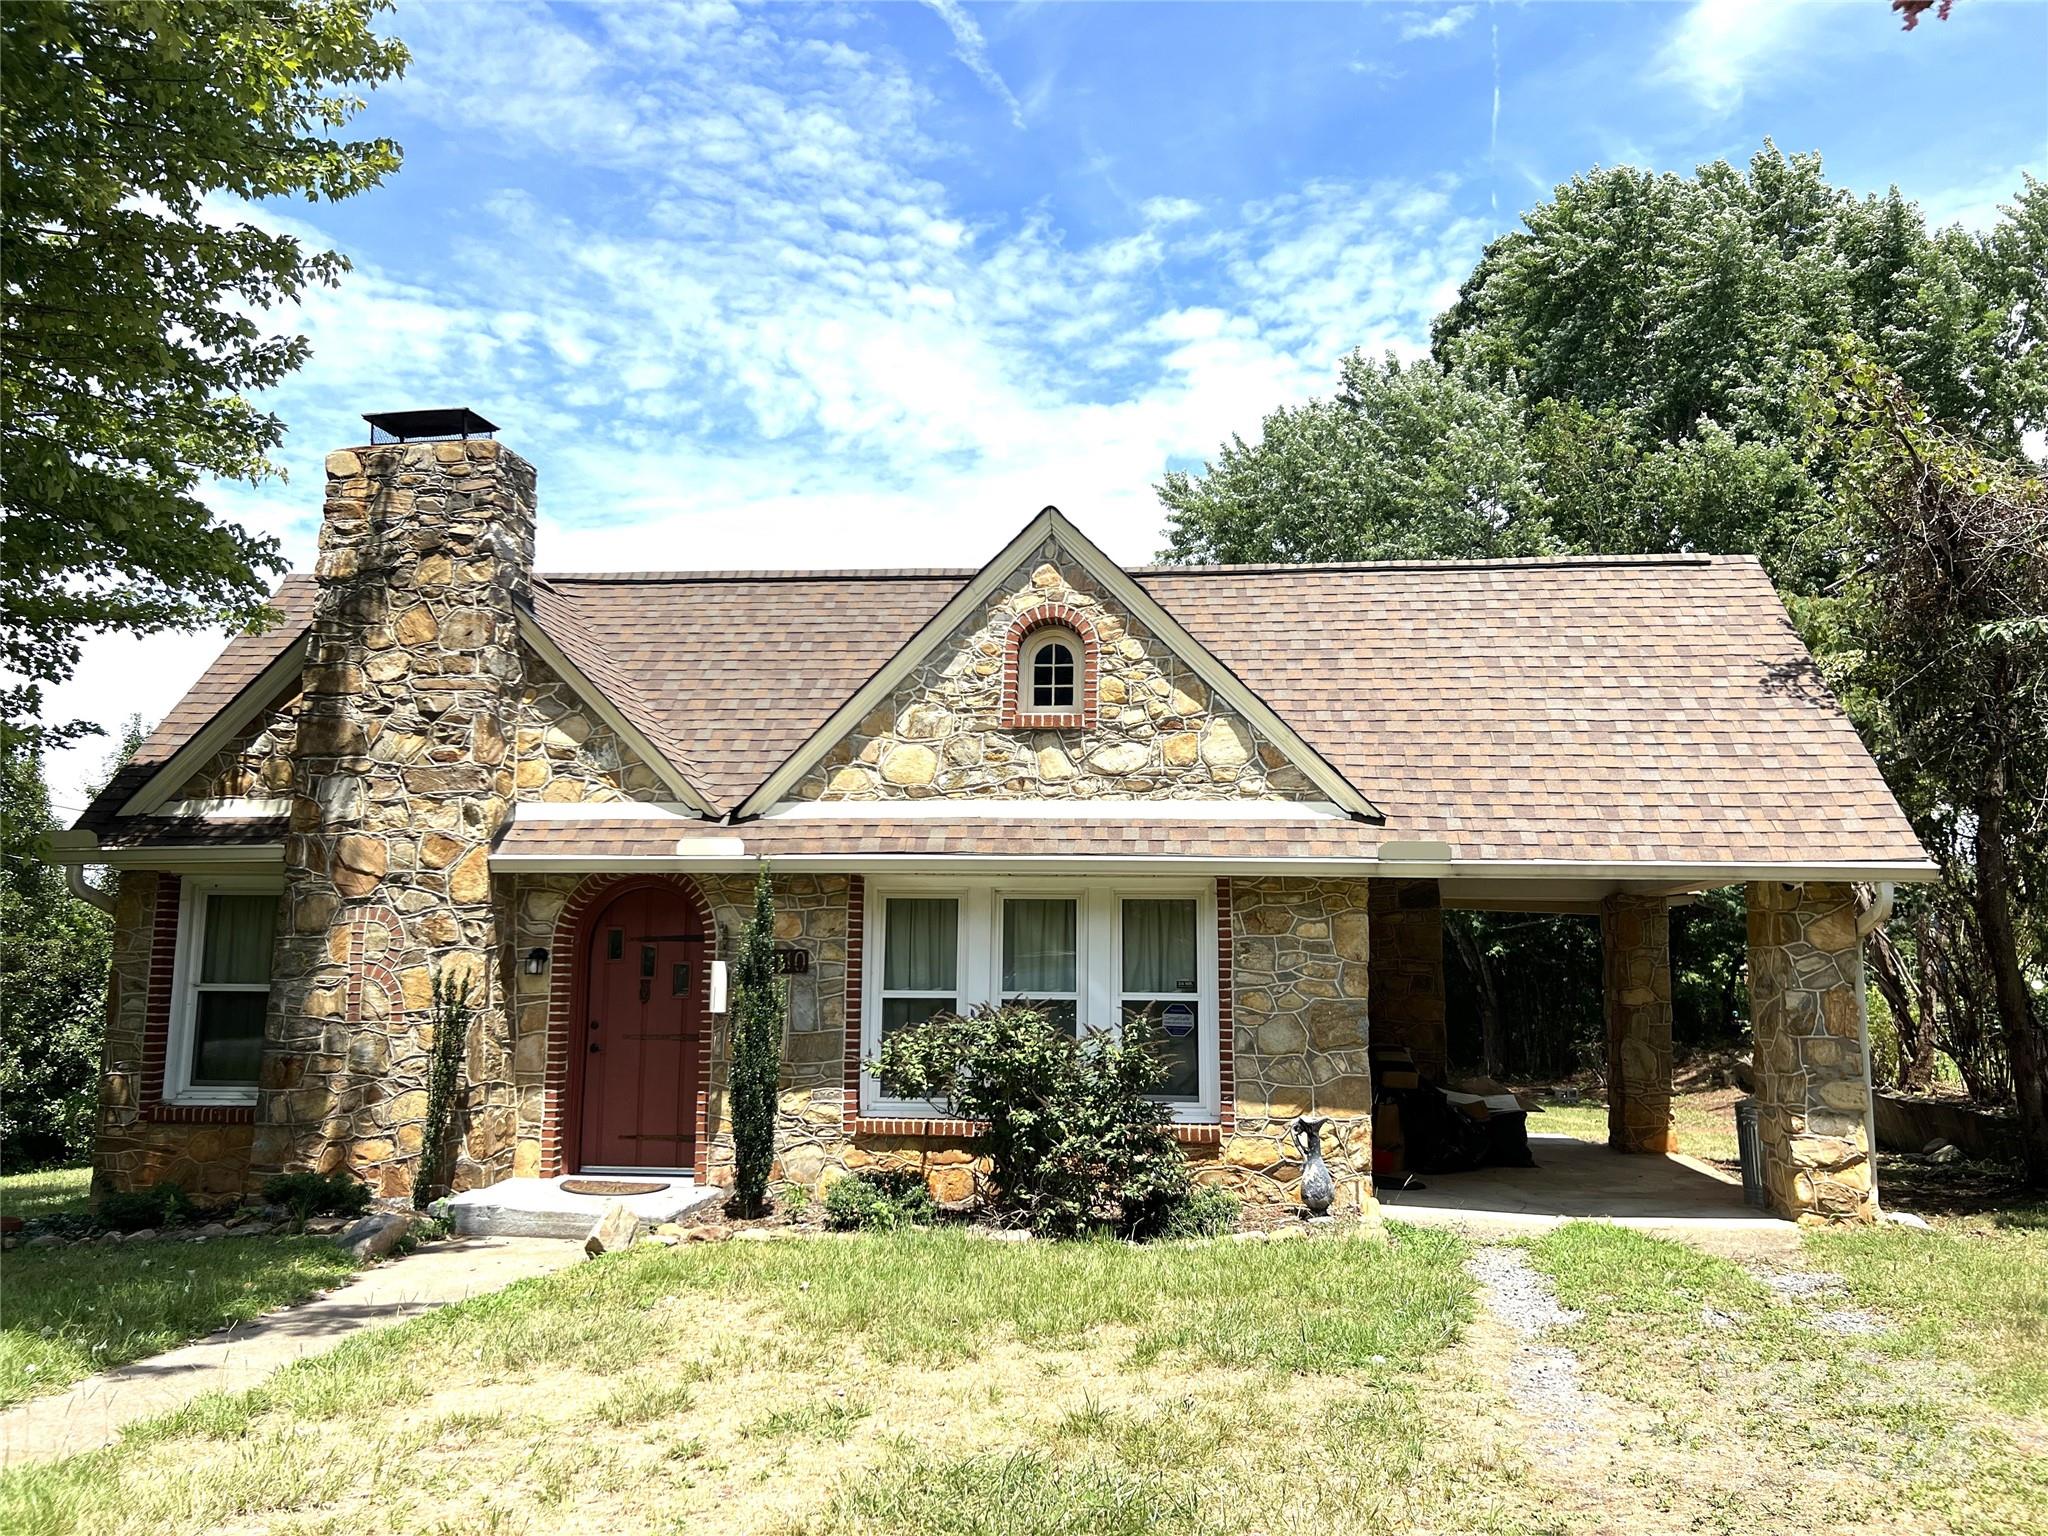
<point x="424" y="426"/>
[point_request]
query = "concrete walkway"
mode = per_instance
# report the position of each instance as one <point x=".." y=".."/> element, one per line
<point x="92" y="1413"/>
<point x="1672" y="1196"/>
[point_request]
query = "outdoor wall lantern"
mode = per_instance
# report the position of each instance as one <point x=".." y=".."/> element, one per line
<point x="536" y="962"/>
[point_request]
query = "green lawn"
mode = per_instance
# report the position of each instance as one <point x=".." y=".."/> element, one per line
<point x="67" y="1313"/>
<point x="945" y="1385"/>
<point x="1896" y="1381"/>
<point x="53" y="1192"/>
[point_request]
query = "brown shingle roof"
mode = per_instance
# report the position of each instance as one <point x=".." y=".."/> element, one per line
<point x="1603" y="710"/>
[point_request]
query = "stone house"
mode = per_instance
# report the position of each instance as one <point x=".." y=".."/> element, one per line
<point x="1237" y="799"/>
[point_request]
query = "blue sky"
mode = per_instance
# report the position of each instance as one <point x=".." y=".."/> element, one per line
<point x="804" y="285"/>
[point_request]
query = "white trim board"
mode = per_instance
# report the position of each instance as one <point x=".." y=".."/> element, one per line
<point x="1118" y="584"/>
<point x="255" y="696"/>
<point x="1289" y="811"/>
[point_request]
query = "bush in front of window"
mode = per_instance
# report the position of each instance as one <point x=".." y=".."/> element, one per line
<point x="135" y="1210"/>
<point x="306" y="1195"/>
<point x="879" y="1200"/>
<point x="1076" y="1144"/>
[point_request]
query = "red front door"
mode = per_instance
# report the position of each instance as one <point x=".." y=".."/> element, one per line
<point x="642" y="1032"/>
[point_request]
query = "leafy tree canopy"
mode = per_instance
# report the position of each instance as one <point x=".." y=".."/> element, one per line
<point x="129" y="303"/>
<point x="1620" y="376"/>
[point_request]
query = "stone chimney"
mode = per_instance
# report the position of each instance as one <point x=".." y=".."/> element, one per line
<point x="401" y="780"/>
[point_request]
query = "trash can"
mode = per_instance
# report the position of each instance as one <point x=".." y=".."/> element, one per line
<point x="1749" y="1142"/>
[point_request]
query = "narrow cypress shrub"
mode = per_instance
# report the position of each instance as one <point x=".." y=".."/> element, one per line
<point x="757" y="1015"/>
<point x="451" y="1015"/>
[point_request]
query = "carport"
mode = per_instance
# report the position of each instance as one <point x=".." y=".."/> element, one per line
<point x="1808" y="1018"/>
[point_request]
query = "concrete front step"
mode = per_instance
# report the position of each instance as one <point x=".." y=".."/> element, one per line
<point x="542" y="1208"/>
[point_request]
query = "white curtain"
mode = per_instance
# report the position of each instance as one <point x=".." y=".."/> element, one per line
<point x="238" y="932"/>
<point x="923" y="953"/>
<point x="1159" y="947"/>
<point x="1039" y="949"/>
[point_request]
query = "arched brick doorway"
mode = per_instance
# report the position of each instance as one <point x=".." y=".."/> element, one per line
<point x="632" y="1036"/>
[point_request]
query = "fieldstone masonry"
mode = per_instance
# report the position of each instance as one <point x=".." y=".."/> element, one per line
<point x="1812" y="1075"/>
<point x="1635" y="943"/>
<point x="1157" y="734"/>
<point x="402" y="775"/>
<point x="1301" y="965"/>
<point x="1408" y="971"/>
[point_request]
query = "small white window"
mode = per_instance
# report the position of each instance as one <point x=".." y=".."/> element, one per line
<point x="222" y="990"/>
<point x="1162" y="980"/>
<point x="1042" y="956"/>
<point x="1051" y="668"/>
<point x="920" y="961"/>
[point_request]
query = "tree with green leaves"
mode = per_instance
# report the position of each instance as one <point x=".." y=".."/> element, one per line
<point x="1405" y="462"/>
<point x="54" y="950"/>
<point x="759" y="1006"/>
<point x="131" y="293"/>
<point x="1938" y="643"/>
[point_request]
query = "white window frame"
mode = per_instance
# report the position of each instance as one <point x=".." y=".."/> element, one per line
<point x="1027" y="668"/>
<point x="1099" y="939"/>
<point x="178" y="1045"/>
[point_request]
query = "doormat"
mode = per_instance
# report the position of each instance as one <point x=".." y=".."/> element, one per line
<point x="613" y="1186"/>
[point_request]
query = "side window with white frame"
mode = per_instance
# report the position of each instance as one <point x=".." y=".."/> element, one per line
<point x="1091" y="953"/>
<point x="222" y="990"/>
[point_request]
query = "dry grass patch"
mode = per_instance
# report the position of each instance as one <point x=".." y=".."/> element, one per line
<point x="821" y="1385"/>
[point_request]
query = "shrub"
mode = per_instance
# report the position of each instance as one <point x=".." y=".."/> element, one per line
<point x="1207" y="1212"/>
<point x="1074" y="1141"/>
<point x="879" y="1200"/>
<point x="756" y="1070"/>
<point x="160" y="1205"/>
<point x="306" y="1195"/>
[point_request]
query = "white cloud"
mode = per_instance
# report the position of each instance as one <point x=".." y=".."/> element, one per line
<point x="1169" y="210"/>
<point x="1419" y="25"/>
<point x="786" y="343"/>
<point x="1719" y="46"/>
<point x="971" y="49"/>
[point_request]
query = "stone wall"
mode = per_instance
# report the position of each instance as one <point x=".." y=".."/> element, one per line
<point x="1408" y="971"/>
<point x="136" y="1146"/>
<point x="1156" y="735"/>
<point x="401" y="780"/>
<point x="811" y="914"/>
<point x="1301" y="966"/>
<point x="1635" y="946"/>
<point x="564" y="752"/>
<point x="1812" y="1069"/>
<point x="257" y="763"/>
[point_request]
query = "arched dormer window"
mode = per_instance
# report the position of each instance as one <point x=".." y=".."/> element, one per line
<point x="1050" y="665"/>
<point x="1049" y="670"/>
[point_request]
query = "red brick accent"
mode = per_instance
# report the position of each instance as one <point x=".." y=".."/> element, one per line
<point x="1050" y="615"/>
<point x="362" y="968"/>
<point x="856" y="946"/>
<point x="156" y="1022"/>
<point x="1226" y="1031"/>
<point x="911" y="1125"/>
<point x="563" y="1077"/>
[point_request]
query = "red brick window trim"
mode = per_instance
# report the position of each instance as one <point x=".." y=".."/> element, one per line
<point x="1226" y="1030"/>
<point x="1017" y="715"/>
<point x="1199" y="1133"/>
<point x="156" y="1021"/>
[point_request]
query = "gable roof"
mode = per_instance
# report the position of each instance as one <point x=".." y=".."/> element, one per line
<point x="1638" y="710"/>
<point x="1052" y="526"/>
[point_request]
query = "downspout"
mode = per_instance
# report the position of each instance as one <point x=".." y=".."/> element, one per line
<point x="1878" y="913"/>
<point x="85" y="890"/>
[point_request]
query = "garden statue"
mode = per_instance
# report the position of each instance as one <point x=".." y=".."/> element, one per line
<point x="1318" y="1190"/>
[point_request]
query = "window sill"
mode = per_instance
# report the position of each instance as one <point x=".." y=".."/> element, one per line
<point x="1193" y="1133"/>
<point x="191" y="1112"/>
<point x="1047" y="720"/>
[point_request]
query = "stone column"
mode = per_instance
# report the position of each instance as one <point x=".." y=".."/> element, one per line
<point x="1635" y="943"/>
<point x="1812" y="1060"/>
<point x="1300" y="982"/>
<point x="401" y="780"/>
<point x="1408" y="970"/>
